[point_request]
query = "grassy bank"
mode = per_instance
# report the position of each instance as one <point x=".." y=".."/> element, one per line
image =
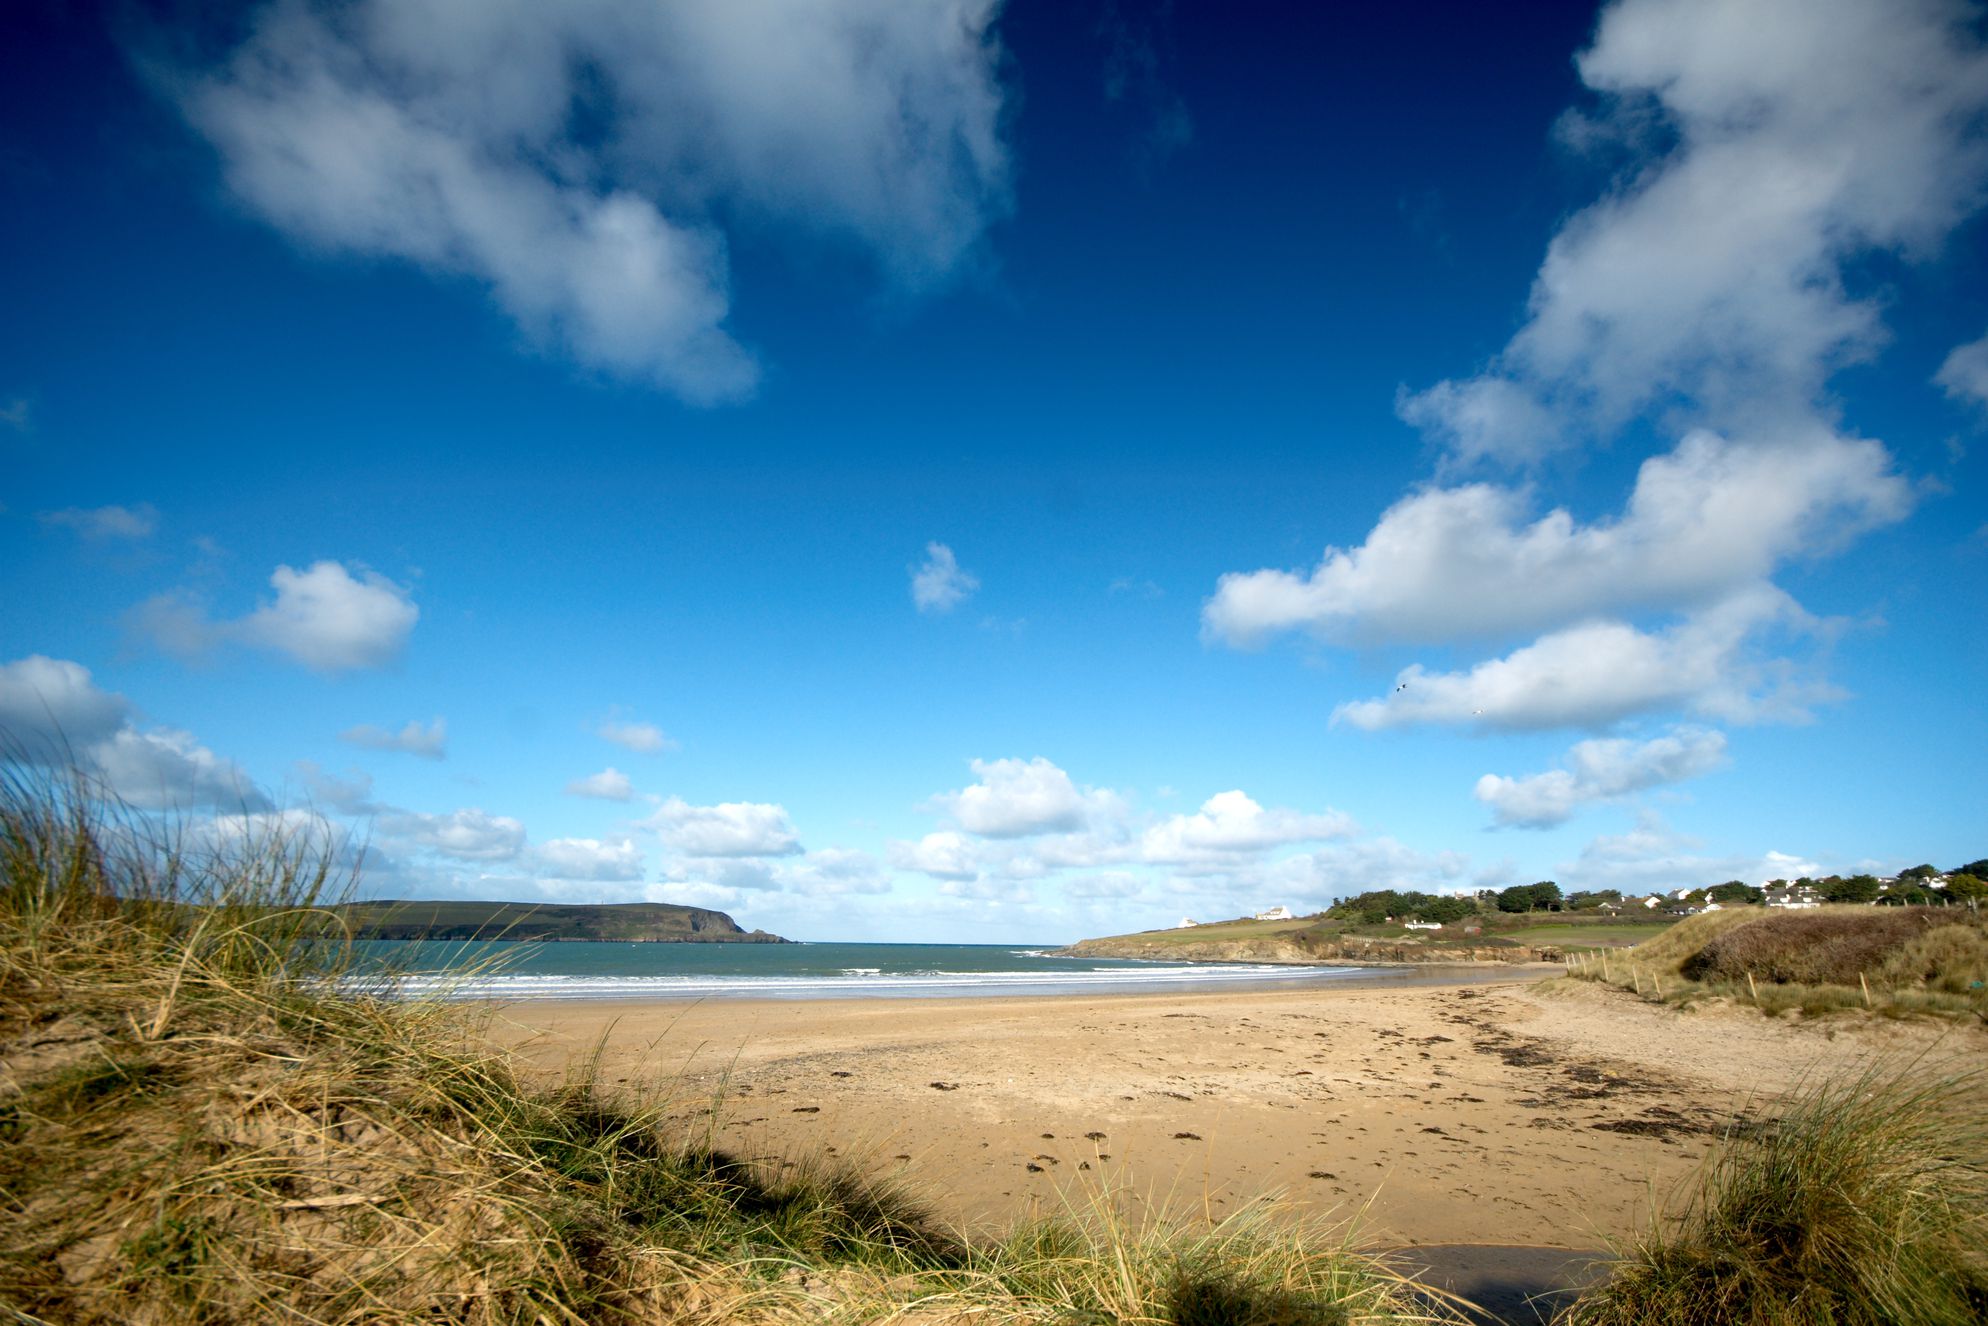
<point x="1896" y="962"/>
<point x="197" y="1126"/>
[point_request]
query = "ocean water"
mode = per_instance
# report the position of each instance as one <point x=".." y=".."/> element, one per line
<point x="513" y="970"/>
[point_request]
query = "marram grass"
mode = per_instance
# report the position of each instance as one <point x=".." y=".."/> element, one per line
<point x="1865" y="1203"/>
<point x="201" y="1123"/>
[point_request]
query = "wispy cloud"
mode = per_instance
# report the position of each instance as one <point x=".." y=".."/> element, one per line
<point x="105" y="522"/>
<point x="1601" y="770"/>
<point x="429" y="741"/>
<point x="586" y="163"/>
<point x="939" y="583"/>
<point x="609" y="784"/>
<point x="642" y="738"/>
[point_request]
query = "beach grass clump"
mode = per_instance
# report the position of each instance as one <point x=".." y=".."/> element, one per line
<point x="211" y="1112"/>
<point x="1261" y="1266"/>
<point x="1865" y="1203"/>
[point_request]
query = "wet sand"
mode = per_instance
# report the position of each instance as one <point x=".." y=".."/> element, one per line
<point x="1446" y="1108"/>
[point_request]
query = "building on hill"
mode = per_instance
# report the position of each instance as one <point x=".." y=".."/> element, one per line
<point x="1187" y="923"/>
<point x="1794" y="895"/>
<point x="1274" y="914"/>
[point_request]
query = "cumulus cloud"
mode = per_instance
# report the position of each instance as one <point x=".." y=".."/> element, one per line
<point x="584" y="162"/>
<point x="1769" y="150"/>
<point x="1598" y="672"/>
<point x="587" y="859"/>
<point x="835" y="871"/>
<point x="1806" y="135"/>
<point x="349" y="794"/>
<point x="945" y="854"/>
<point x="1231" y="824"/>
<point x="166" y="769"/>
<point x="1016" y="798"/>
<point x="105" y="522"/>
<point x="53" y="712"/>
<point x="939" y="584"/>
<point x="642" y="738"/>
<point x="1653" y="858"/>
<point x="1964" y="374"/>
<point x="1704" y="520"/>
<point x="470" y="834"/>
<point x="731" y="828"/>
<point x="323" y="617"/>
<point x="429" y="742"/>
<point x="49" y="703"/>
<point x="1601" y="770"/>
<point x="610" y="784"/>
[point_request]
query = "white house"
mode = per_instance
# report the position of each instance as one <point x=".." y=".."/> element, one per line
<point x="1794" y="895"/>
<point x="1187" y="923"/>
<point x="1275" y="914"/>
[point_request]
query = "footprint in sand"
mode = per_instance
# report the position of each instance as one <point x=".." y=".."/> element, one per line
<point x="1187" y="1137"/>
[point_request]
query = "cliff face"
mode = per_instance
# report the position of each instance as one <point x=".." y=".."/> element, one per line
<point x="1299" y="951"/>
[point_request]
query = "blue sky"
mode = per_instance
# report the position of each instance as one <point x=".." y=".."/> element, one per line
<point x="1005" y="472"/>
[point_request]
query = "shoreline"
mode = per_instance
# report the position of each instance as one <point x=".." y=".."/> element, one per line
<point x="1505" y="1109"/>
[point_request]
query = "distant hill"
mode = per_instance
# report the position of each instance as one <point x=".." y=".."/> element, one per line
<point x="611" y="922"/>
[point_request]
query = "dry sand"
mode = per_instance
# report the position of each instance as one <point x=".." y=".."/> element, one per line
<point x="1482" y="1111"/>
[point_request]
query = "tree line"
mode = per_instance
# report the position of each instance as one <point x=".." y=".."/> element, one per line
<point x="1967" y="883"/>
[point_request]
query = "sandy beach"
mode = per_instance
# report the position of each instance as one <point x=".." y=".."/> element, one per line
<point x="1484" y="1107"/>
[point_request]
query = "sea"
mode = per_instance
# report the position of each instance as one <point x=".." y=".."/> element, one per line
<point x="507" y="971"/>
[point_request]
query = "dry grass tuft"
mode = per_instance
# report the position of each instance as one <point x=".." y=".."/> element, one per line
<point x="1864" y="1204"/>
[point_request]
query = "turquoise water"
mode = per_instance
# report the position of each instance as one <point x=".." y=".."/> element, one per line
<point x="511" y="970"/>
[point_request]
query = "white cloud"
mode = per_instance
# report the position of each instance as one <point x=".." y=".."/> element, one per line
<point x="642" y="738"/>
<point x="1601" y="770"/>
<point x="1964" y="374"/>
<point x="1703" y="520"/>
<point x="1652" y="858"/>
<point x="1016" y="798"/>
<point x="1598" y="672"/>
<point x="18" y="415"/>
<point x="1807" y="134"/>
<point x="942" y="855"/>
<point x="429" y="742"/>
<point x="52" y="712"/>
<point x="348" y="795"/>
<point x="1768" y="151"/>
<point x="587" y="859"/>
<point x="325" y="618"/>
<point x="732" y="828"/>
<point x="939" y="584"/>
<point x="1106" y="884"/>
<point x="694" y="893"/>
<point x="467" y="835"/>
<point x="835" y="871"/>
<point x="106" y="522"/>
<point x="735" y="874"/>
<point x="48" y="703"/>
<point x="322" y="616"/>
<point x="610" y="784"/>
<point x="1231" y="824"/>
<point x="165" y="769"/>
<point x="582" y="161"/>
